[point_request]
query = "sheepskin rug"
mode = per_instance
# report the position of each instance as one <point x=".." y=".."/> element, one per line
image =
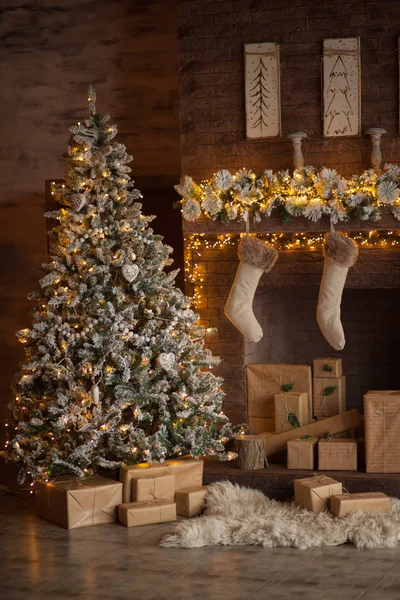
<point x="240" y="516"/>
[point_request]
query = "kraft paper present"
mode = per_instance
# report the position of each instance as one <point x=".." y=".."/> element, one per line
<point x="333" y="404"/>
<point x="188" y="472"/>
<point x="314" y="493"/>
<point x="337" y="455"/>
<point x="290" y="403"/>
<point x="153" y="488"/>
<point x="336" y="424"/>
<point x="259" y="424"/>
<point x="191" y="501"/>
<point x="133" y="514"/>
<point x="371" y="502"/>
<point x="263" y="381"/>
<point x="327" y="367"/>
<point x="382" y="431"/>
<point x="301" y="453"/>
<point x="74" y="503"/>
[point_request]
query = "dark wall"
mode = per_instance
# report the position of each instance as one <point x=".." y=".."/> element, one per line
<point x="51" y="50"/>
<point x="212" y="36"/>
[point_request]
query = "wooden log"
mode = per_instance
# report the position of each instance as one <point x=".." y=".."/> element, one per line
<point x="251" y="452"/>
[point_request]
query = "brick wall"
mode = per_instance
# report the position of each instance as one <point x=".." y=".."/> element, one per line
<point x="285" y="306"/>
<point x="51" y="51"/>
<point x="212" y="35"/>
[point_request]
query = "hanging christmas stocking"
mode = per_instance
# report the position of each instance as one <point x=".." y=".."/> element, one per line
<point x="340" y="253"/>
<point x="256" y="258"/>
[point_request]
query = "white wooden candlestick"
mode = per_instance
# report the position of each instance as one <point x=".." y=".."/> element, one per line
<point x="298" y="159"/>
<point x="376" y="156"/>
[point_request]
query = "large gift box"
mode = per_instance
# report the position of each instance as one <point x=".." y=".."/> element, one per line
<point x="188" y="472"/>
<point x="190" y="502"/>
<point x="314" y="493"/>
<point x="74" y="503"/>
<point x="133" y="514"/>
<point x="259" y="425"/>
<point x="327" y="367"/>
<point x="153" y="488"/>
<point x="291" y="410"/>
<point x="301" y="452"/>
<point x="371" y="502"/>
<point x="329" y="396"/>
<point x="264" y="380"/>
<point x="382" y="431"/>
<point x="339" y="454"/>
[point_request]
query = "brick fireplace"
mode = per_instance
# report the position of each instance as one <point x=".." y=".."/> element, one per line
<point x="285" y="306"/>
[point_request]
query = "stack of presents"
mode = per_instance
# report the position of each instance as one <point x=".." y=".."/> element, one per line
<point x="145" y="494"/>
<point x="305" y="413"/>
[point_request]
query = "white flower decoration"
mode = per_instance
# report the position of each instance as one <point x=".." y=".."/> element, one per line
<point x="328" y="174"/>
<point x="211" y="203"/>
<point x="296" y="205"/>
<point x="223" y="180"/>
<point x="387" y="192"/>
<point x="187" y="187"/>
<point x="314" y="210"/>
<point x="191" y="210"/>
<point x="232" y="213"/>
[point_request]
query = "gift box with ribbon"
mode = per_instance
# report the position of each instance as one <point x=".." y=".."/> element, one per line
<point x="329" y="396"/>
<point x="301" y="452"/>
<point x="337" y="454"/>
<point x="191" y="501"/>
<point x="371" y="502"/>
<point x="153" y="488"/>
<point x="133" y="514"/>
<point x="291" y="410"/>
<point x="382" y="426"/>
<point x="74" y="503"/>
<point x="327" y="367"/>
<point x="314" y="493"/>
<point x="188" y="472"/>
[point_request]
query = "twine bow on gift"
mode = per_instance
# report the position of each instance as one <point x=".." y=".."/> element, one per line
<point x="323" y="480"/>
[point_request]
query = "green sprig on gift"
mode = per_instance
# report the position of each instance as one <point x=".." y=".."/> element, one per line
<point x="327" y="368"/>
<point x="328" y="391"/>
<point x="326" y="435"/>
<point x="293" y="420"/>
<point x="306" y="436"/>
<point x="287" y="387"/>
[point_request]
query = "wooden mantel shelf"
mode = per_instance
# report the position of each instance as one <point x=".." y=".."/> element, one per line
<point x="296" y="225"/>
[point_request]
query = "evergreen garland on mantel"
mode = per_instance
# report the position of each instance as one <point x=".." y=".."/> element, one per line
<point x="308" y="193"/>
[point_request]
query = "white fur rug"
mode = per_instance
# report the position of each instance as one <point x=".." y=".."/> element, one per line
<point x="241" y="516"/>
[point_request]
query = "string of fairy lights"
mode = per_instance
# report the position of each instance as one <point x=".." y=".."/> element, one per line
<point x="197" y="243"/>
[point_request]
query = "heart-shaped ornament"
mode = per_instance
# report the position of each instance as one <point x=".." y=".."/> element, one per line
<point x="130" y="272"/>
<point x="166" y="360"/>
<point x="78" y="201"/>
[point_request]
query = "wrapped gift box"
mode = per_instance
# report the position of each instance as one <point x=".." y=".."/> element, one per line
<point x="287" y="405"/>
<point x="188" y="472"/>
<point x="371" y="502"/>
<point x="329" y="396"/>
<point x="74" y="503"/>
<point x="264" y="380"/>
<point x="314" y="493"/>
<point x="382" y="427"/>
<point x="191" y="501"/>
<point x="327" y="367"/>
<point x="153" y="488"/>
<point x="133" y="514"/>
<point x="301" y="453"/>
<point x="337" y="455"/>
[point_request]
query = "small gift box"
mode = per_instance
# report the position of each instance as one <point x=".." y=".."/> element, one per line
<point x="291" y="410"/>
<point x="337" y="454"/>
<point x="371" y="502"/>
<point x="133" y="514"/>
<point x="187" y="471"/>
<point x="382" y="426"/>
<point x="153" y="488"/>
<point x="190" y="502"/>
<point x="301" y="452"/>
<point x="314" y="493"/>
<point x="327" y="367"/>
<point x="74" y="503"/>
<point x="329" y="396"/>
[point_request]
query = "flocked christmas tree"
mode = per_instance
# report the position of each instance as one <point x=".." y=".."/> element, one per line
<point x="115" y="367"/>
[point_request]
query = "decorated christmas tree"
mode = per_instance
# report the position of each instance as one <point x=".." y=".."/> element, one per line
<point x="115" y="367"/>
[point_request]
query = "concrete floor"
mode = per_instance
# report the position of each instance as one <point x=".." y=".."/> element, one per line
<point x="41" y="560"/>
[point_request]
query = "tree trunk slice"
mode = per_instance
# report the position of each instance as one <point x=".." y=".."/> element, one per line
<point x="251" y="452"/>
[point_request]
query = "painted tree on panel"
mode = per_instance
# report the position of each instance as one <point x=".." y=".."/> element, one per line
<point x="259" y="94"/>
<point x="338" y="107"/>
